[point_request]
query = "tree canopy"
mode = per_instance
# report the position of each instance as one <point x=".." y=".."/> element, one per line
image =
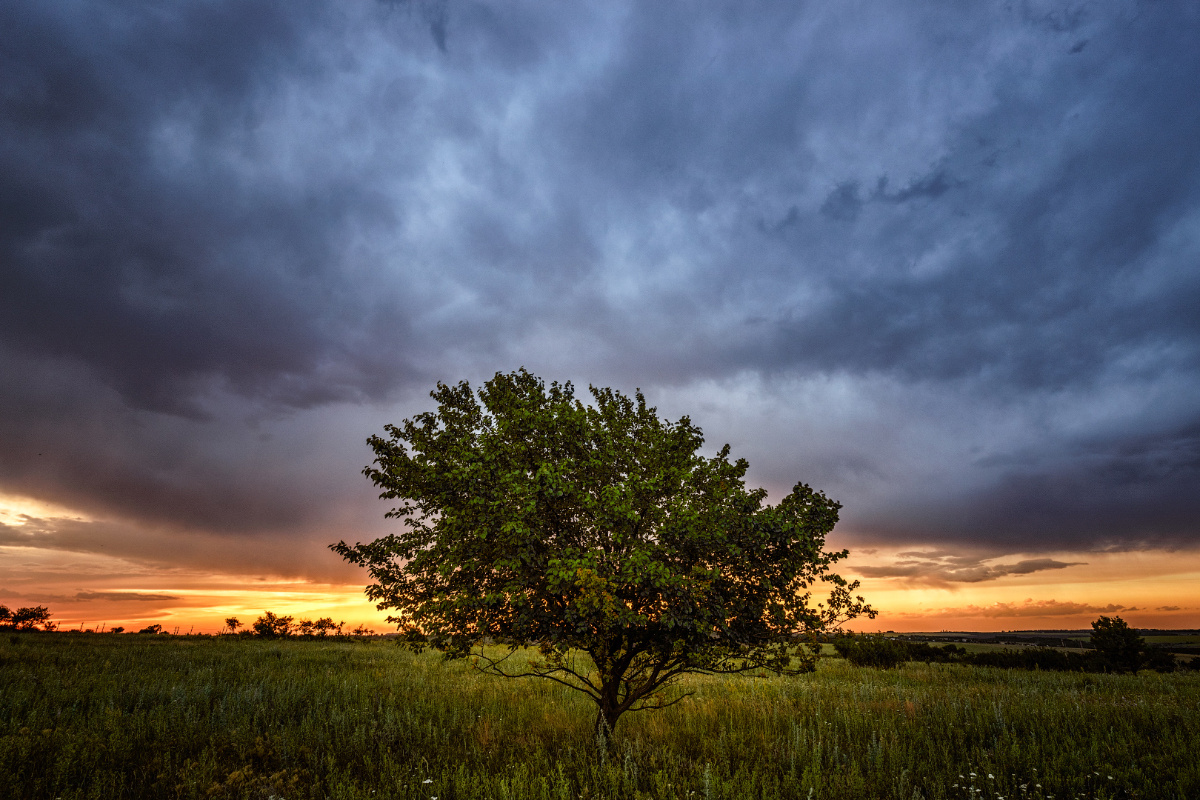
<point x="1118" y="645"/>
<point x="598" y="530"/>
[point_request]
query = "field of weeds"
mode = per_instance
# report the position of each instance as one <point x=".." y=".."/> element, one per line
<point x="103" y="716"/>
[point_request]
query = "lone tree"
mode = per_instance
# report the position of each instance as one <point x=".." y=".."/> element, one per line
<point x="1118" y="646"/>
<point x="598" y="534"/>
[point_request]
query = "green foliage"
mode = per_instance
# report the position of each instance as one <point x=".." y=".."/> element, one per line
<point x="872" y="651"/>
<point x="94" y="716"/>
<point x="1118" y="645"/>
<point x="1159" y="660"/>
<point x="599" y="531"/>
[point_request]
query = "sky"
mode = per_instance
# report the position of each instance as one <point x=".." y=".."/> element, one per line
<point x="939" y="260"/>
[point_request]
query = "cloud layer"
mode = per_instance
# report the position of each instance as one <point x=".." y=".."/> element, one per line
<point x="942" y="261"/>
<point x="950" y="568"/>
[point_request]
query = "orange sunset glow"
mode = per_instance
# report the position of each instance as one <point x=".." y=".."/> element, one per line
<point x="91" y="590"/>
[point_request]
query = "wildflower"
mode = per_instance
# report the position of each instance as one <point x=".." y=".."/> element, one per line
<point x="991" y="777"/>
<point x="427" y="780"/>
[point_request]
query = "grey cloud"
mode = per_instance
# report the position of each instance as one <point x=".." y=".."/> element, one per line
<point x="939" y="567"/>
<point x="1041" y="608"/>
<point x="139" y="596"/>
<point x="139" y="547"/>
<point x="221" y="222"/>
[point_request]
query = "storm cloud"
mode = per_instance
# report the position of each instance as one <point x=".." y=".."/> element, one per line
<point x="941" y="260"/>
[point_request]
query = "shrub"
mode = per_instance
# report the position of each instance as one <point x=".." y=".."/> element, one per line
<point x="1117" y="645"/>
<point x="26" y="619"/>
<point x="270" y="626"/>
<point x="871" y="651"/>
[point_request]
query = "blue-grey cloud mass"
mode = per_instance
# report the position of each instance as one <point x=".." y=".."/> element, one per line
<point x="939" y="259"/>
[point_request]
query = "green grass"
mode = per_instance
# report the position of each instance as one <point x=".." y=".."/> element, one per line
<point x="106" y="716"/>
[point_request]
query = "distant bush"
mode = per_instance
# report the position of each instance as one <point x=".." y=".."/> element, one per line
<point x="320" y="628"/>
<point x="923" y="651"/>
<point x="274" y="626"/>
<point x="270" y="626"/>
<point x="26" y="619"/>
<point x="155" y="628"/>
<point x="1043" y="658"/>
<point x="883" y="653"/>
<point x="871" y="651"/>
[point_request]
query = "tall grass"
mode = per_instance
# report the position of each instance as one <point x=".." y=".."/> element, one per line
<point x="174" y="717"/>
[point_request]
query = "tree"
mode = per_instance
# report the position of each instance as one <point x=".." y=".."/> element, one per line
<point x="156" y="629"/>
<point x="27" y="618"/>
<point x="1117" y="645"/>
<point x="271" y="626"/>
<point x="233" y="623"/>
<point x="593" y="531"/>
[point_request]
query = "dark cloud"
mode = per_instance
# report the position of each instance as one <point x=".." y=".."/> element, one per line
<point x="936" y="567"/>
<point x="953" y="250"/>
<point x="139" y="596"/>
<point x="1030" y="608"/>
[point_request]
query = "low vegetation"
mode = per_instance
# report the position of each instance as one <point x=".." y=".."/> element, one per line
<point x="86" y="716"/>
<point x="1114" y="648"/>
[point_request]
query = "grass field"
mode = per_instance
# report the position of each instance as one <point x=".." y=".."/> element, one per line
<point x="102" y="716"/>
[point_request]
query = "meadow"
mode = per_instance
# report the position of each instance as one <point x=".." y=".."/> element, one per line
<point x="141" y="716"/>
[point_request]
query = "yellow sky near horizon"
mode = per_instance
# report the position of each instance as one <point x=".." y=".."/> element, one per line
<point x="1148" y="589"/>
<point x="202" y="585"/>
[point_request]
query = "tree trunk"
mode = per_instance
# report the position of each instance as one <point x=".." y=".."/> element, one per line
<point x="606" y="723"/>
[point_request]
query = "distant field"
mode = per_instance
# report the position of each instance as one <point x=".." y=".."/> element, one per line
<point x="1172" y="639"/>
<point x="101" y="716"/>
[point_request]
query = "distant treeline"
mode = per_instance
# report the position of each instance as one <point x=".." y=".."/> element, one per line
<point x="274" y="626"/>
<point x="1114" y="648"/>
<point x="268" y="626"/>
